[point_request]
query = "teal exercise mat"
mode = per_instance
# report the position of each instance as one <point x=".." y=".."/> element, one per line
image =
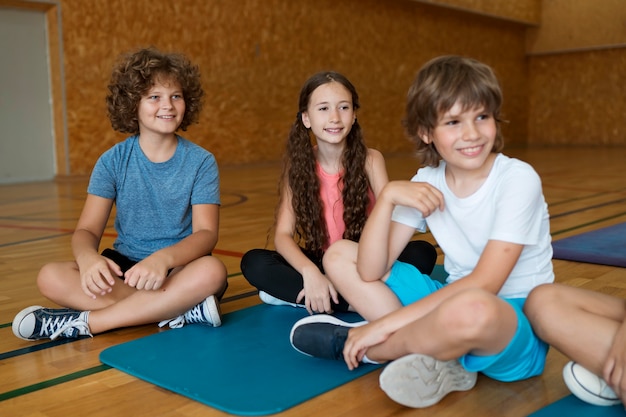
<point x="571" y="406"/>
<point x="245" y="367"/>
<point x="606" y="246"/>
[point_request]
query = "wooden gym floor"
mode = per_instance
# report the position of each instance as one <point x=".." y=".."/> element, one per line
<point x="585" y="189"/>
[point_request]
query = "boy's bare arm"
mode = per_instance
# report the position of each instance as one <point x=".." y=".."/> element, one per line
<point x="96" y="272"/>
<point x="382" y="240"/>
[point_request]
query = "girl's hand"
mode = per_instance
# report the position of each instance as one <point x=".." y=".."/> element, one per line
<point x="148" y="274"/>
<point x="360" y="339"/>
<point x="420" y="195"/>
<point x="317" y="292"/>
<point x="96" y="274"/>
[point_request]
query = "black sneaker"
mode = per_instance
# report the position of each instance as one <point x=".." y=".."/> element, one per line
<point x="321" y="336"/>
<point x="36" y="322"/>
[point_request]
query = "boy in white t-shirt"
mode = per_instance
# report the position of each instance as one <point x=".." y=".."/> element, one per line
<point x="488" y="215"/>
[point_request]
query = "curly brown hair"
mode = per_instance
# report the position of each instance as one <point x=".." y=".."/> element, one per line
<point x="134" y="75"/>
<point x="299" y="173"/>
<point x="439" y="84"/>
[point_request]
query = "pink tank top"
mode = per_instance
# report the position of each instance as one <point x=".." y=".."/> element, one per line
<point x="330" y="191"/>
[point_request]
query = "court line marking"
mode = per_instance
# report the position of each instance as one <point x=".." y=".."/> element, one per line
<point x="52" y="382"/>
<point x="79" y="374"/>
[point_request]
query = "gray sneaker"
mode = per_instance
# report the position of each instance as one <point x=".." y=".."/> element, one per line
<point x="420" y="381"/>
<point x="36" y="322"/>
<point x="207" y="312"/>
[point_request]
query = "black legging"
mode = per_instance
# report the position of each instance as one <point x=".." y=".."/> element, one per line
<point x="268" y="271"/>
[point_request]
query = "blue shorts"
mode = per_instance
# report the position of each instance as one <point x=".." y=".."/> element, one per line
<point x="524" y="356"/>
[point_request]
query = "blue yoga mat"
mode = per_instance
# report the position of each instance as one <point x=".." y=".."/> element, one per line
<point x="571" y="406"/>
<point x="245" y="367"/>
<point x="605" y="246"/>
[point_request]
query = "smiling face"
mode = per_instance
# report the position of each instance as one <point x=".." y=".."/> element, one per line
<point x="330" y="113"/>
<point x="161" y="109"/>
<point x="464" y="138"/>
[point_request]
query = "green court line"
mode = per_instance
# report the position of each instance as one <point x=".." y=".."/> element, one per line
<point x="52" y="382"/>
<point x="86" y="372"/>
<point x="580" y="226"/>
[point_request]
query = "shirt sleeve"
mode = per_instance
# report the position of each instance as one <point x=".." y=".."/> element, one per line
<point x="206" y="189"/>
<point x="103" y="177"/>
<point x="519" y="207"/>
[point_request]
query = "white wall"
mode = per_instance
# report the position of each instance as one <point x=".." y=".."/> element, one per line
<point x="26" y="130"/>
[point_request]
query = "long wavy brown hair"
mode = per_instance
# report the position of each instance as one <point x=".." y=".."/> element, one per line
<point x="299" y="174"/>
<point x="136" y="72"/>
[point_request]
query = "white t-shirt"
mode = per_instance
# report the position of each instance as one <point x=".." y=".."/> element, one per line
<point x="509" y="206"/>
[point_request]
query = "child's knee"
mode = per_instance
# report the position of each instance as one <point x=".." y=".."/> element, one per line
<point x="470" y="314"/>
<point x="215" y="268"/>
<point x="204" y="273"/>
<point x="539" y="303"/>
<point x="48" y="280"/>
<point x="541" y="294"/>
<point x="338" y="254"/>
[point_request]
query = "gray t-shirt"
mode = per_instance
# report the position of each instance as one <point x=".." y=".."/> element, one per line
<point x="153" y="200"/>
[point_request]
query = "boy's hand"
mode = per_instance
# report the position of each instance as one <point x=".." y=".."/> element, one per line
<point x="148" y="274"/>
<point x="359" y="340"/>
<point x="615" y="367"/>
<point x="96" y="274"/>
<point x="419" y="195"/>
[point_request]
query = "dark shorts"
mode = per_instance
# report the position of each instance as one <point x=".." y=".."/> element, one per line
<point x="124" y="263"/>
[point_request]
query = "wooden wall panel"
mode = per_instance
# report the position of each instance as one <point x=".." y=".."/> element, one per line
<point x="526" y="11"/>
<point x="578" y="98"/>
<point x="575" y="25"/>
<point x="255" y="55"/>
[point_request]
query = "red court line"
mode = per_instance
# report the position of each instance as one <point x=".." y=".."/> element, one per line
<point x="44" y="229"/>
<point x="62" y="230"/>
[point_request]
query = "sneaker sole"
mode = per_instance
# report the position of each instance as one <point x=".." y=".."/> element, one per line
<point x="271" y="300"/>
<point x="579" y="390"/>
<point x="320" y="318"/>
<point x="215" y="312"/>
<point x="420" y="381"/>
<point x="17" y="321"/>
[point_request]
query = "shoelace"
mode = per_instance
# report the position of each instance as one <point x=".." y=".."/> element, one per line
<point x="195" y="314"/>
<point x="62" y="326"/>
<point x="192" y="316"/>
<point x="174" y="323"/>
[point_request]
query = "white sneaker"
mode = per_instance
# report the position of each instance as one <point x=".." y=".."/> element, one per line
<point x="587" y="386"/>
<point x="420" y="381"/>
<point x="270" y="299"/>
